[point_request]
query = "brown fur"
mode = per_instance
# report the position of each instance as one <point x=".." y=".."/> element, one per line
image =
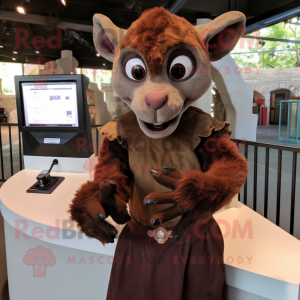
<point x="197" y="195"/>
<point x="88" y="201"/>
<point x="156" y="31"/>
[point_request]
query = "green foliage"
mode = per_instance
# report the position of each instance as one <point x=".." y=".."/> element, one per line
<point x="104" y="76"/>
<point x="7" y="91"/>
<point x="34" y="71"/>
<point x="285" y="59"/>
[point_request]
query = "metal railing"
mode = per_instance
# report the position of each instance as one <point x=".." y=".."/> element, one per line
<point x="279" y="149"/>
<point x="9" y="126"/>
<point x="245" y="145"/>
<point x="8" y="157"/>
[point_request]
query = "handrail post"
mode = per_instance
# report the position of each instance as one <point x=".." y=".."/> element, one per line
<point x="293" y="193"/>
<point x="278" y="187"/>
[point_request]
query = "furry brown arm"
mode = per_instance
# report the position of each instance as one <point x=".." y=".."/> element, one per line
<point x="224" y="170"/>
<point x="198" y="194"/>
<point x="106" y="195"/>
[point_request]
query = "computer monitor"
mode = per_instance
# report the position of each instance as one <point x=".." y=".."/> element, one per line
<point x="54" y="104"/>
<point x="53" y="116"/>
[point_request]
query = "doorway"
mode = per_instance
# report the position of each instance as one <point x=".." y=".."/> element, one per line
<point x="276" y="97"/>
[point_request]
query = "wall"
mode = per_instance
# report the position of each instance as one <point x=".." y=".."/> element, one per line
<point x="237" y="97"/>
<point x="266" y="80"/>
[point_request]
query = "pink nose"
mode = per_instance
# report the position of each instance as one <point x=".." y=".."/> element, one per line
<point x="156" y="99"/>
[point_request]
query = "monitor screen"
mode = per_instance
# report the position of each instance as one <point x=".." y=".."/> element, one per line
<point x="50" y="104"/>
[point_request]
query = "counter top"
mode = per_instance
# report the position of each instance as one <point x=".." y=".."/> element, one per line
<point x="47" y="211"/>
<point x="254" y="246"/>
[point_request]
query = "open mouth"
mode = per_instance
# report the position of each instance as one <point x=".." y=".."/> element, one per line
<point x="158" y="126"/>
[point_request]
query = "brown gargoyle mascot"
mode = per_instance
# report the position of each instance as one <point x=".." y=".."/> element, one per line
<point x="165" y="167"/>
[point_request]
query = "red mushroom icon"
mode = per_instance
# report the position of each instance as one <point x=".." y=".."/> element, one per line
<point x="39" y="258"/>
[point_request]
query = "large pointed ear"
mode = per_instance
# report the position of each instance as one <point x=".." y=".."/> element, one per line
<point x="222" y="34"/>
<point x="107" y="36"/>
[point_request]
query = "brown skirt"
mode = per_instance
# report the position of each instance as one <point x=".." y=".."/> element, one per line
<point x="188" y="269"/>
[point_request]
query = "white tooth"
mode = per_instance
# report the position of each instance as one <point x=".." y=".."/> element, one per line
<point x="157" y="124"/>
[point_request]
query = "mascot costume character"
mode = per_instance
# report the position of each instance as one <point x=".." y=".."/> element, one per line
<point x="165" y="167"/>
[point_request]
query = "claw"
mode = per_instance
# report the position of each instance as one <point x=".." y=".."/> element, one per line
<point x="156" y="222"/>
<point x="112" y="232"/>
<point x="112" y="182"/>
<point x="177" y="237"/>
<point x="153" y="171"/>
<point x="149" y="202"/>
<point x="101" y="216"/>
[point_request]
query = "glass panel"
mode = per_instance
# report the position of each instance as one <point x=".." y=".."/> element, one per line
<point x="284" y="120"/>
<point x="293" y="120"/>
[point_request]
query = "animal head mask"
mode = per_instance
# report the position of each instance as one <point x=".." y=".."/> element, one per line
<point x="161" y="64"/>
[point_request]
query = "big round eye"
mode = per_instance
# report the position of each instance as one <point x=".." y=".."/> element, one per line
<point x="181" y="67"/>
<point x="135" y="69"/>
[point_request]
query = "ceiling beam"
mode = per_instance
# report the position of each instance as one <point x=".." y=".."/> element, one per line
<point x="41" y="20"/>
<point x="270" y="39"/>
<point x="266" y="51"/>
<point x="273" y="20"/>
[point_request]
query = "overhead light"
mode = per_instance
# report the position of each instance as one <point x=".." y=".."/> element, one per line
<point x="1" y="44"/>
<point x="213" y="91"/>
<point x="63" y="2"/>
<point x="15" y="51"/>
<point x="13" y="58"/>
<point x="21" y="10"/>
<point x="97" y="54"/>
<point x="37" y="51"/>
<point x="26" y="59"/>
<point x="104" y="64"/>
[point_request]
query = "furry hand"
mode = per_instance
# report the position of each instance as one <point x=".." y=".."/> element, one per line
<point x="93" y="203"/>
<point x="187" y="197"/>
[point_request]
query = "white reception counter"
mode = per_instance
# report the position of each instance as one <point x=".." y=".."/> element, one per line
<point x="47" y="258"/>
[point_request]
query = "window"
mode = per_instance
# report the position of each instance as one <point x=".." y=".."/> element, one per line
<point x="7" y="73"/>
